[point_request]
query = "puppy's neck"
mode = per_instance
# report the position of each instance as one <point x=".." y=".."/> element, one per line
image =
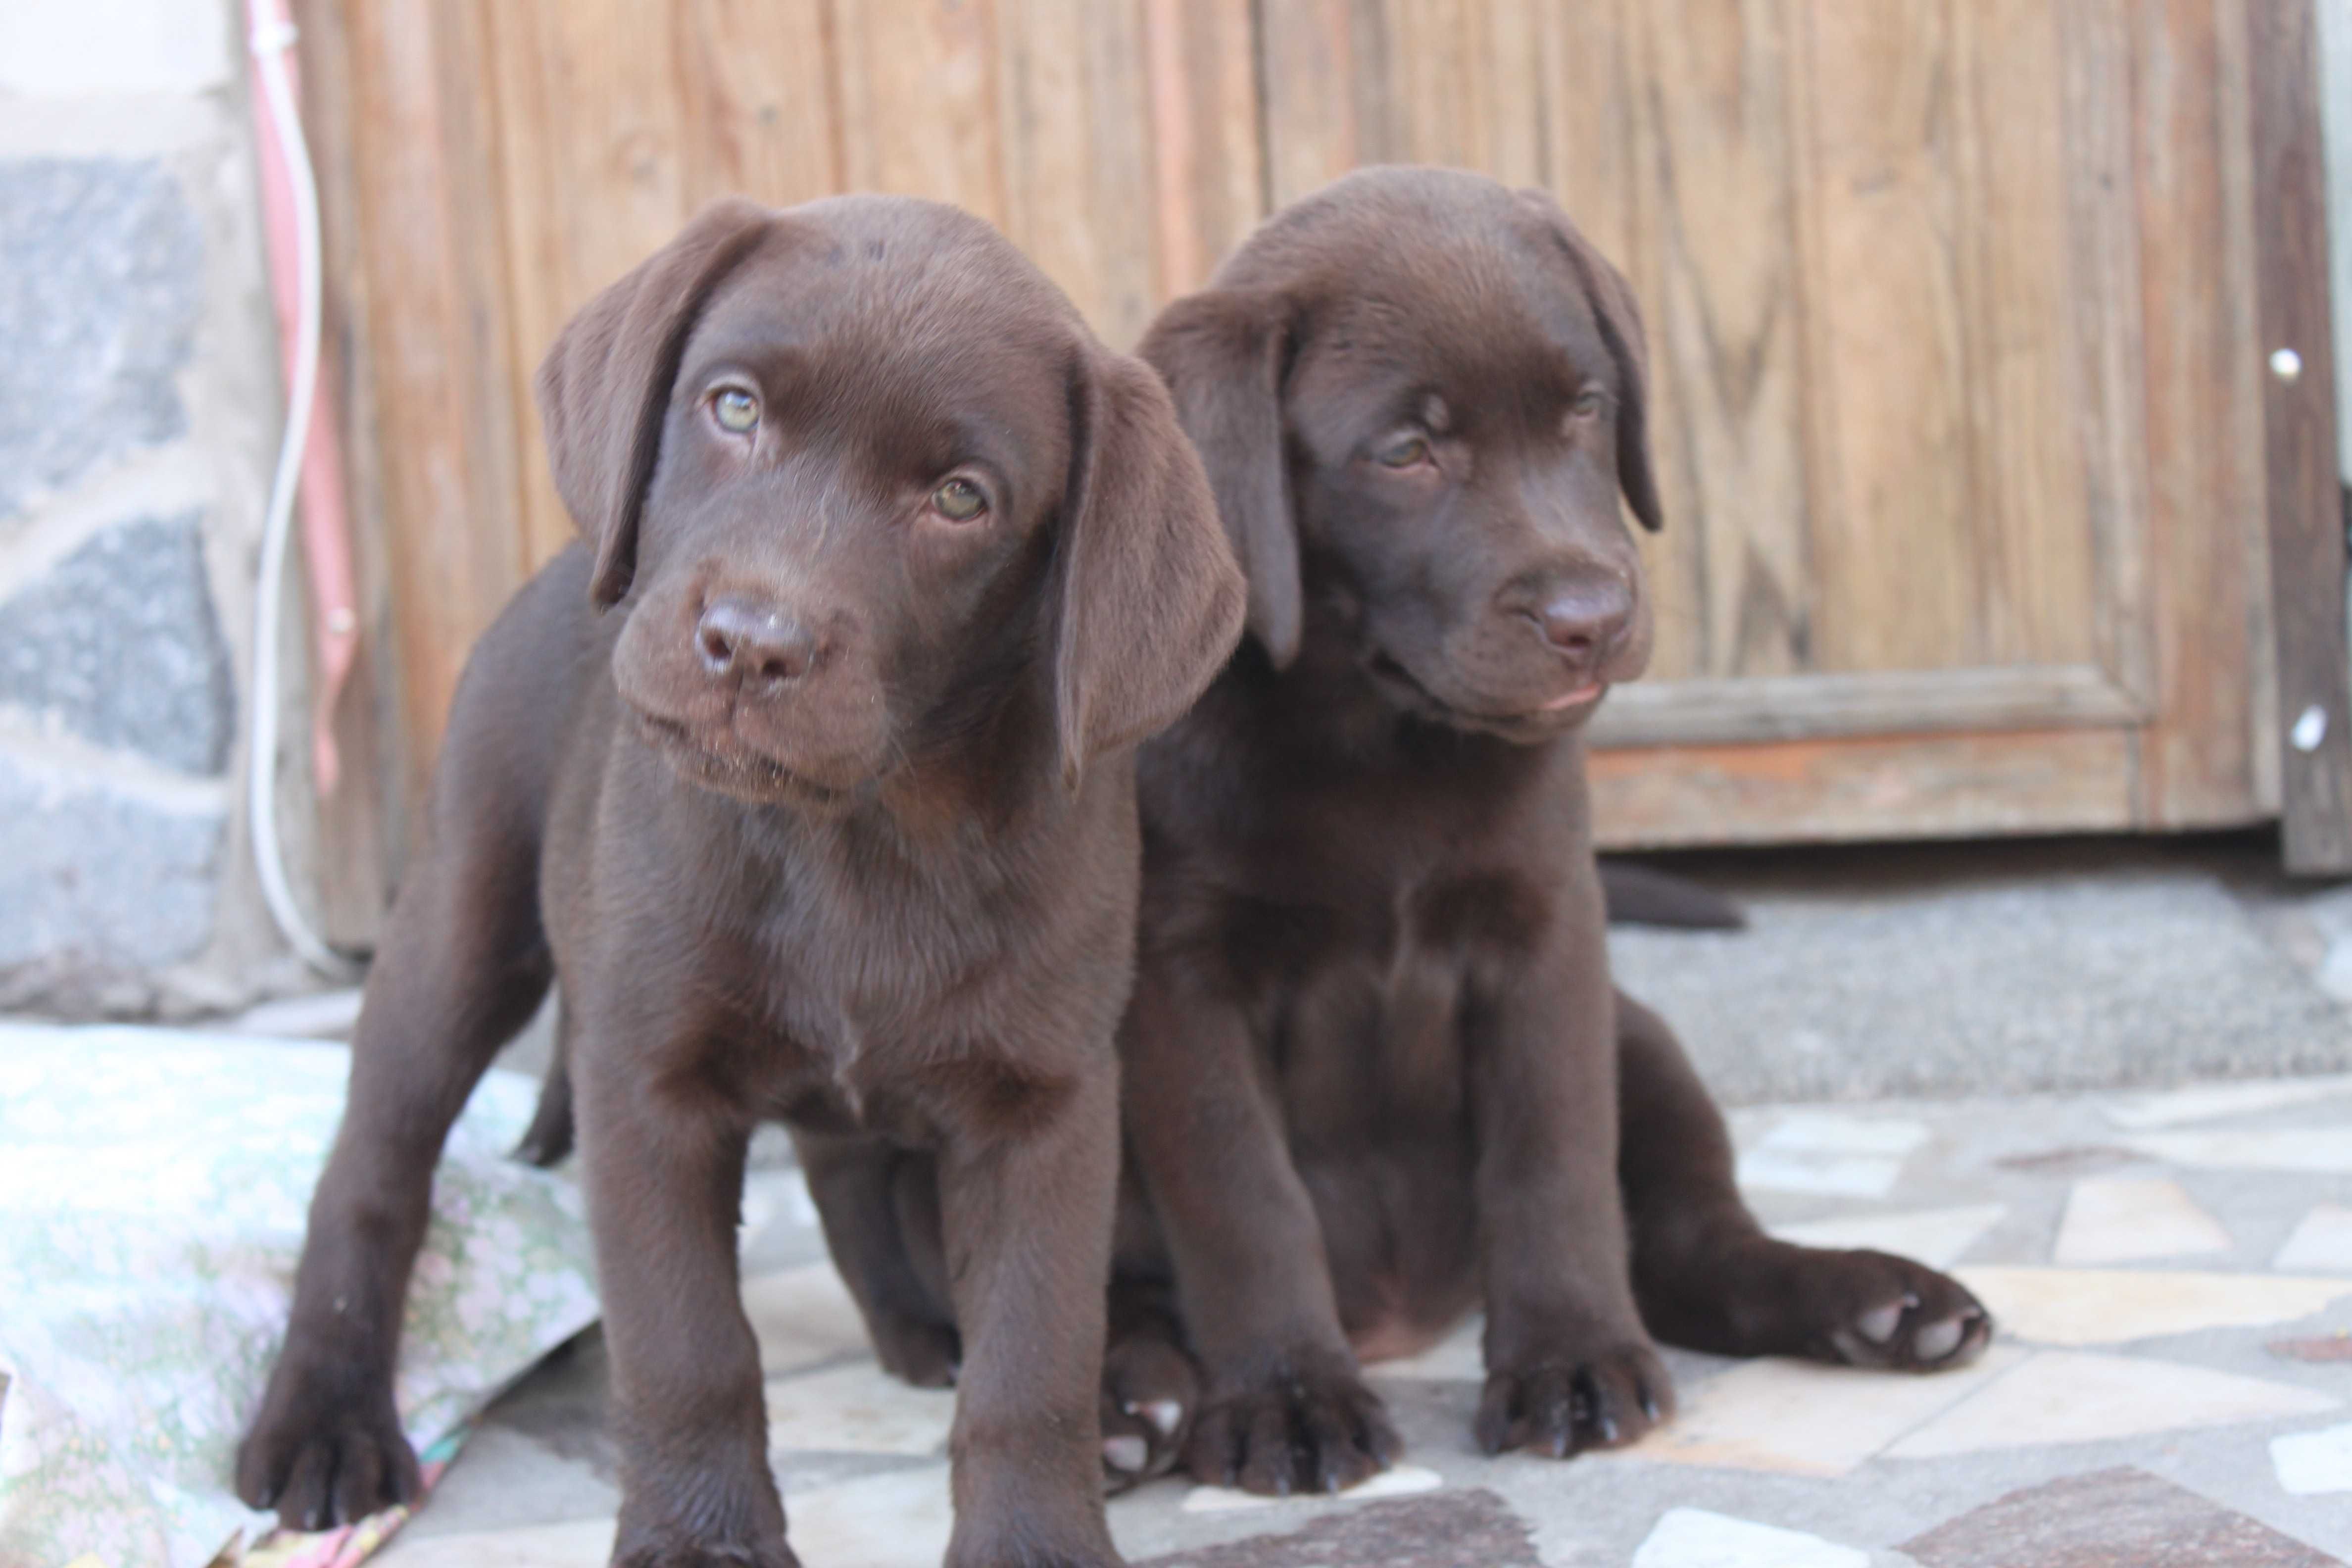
<point x="1325" y="710"/>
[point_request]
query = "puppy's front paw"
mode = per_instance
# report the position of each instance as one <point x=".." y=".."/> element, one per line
<point x="1561" y="1406"/>
<point x="1873" y="1309"/>
<point x="323" y="1453"/>
<point x="1312" y="1431"/>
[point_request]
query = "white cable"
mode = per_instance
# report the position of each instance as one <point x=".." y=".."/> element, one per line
<point x="269" y="43"/>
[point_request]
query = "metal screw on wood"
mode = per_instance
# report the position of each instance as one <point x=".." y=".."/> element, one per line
<point x="2310" y="728"/>
<point x="2286" y="364"/>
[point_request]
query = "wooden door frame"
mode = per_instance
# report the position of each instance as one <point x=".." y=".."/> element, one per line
<point x="2306" y="505"/>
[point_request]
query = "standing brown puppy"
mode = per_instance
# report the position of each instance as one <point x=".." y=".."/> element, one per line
<point x="1376" y="1074"/>
<point x="808" y="781"/>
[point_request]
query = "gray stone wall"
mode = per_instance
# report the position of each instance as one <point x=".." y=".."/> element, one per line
<point x="139" y="398"/>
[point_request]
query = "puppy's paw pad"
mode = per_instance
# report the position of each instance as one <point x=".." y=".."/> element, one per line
<point x="1150" y="1389"/>
<point x="1888" y="1312"/>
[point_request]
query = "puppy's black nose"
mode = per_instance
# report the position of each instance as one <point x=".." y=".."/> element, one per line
<point x="754" y="640"/>
<point x="1585" y="615"/>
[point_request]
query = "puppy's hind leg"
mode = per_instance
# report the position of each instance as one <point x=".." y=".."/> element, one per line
<point x="551" y="1132"/>
<point x="1708" y="1277"/>
<point x="1150" y="1384"/>
<point x="463" y="965"/>
<point x="880" y="1210"/>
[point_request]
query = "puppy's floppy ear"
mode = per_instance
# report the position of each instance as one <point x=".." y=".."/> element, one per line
<point x="1223" y="352"/>
<point x="603" y="388"/>
<point x="1621" y="329"/>
<point x="1151" y="599"/>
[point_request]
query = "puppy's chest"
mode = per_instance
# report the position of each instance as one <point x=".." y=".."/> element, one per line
<point x="855" y="988"/>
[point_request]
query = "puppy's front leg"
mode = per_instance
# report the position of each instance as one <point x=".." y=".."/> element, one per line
<point x="1285" y="1408"/>
<point x="664" y="1160"/>
<point x="1569" y="1363"/>
<point x="1027" y="1184"/>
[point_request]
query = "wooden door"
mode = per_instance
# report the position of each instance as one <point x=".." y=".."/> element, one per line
<point x="1951" y="313"/>
<point x="1957" y="312"/>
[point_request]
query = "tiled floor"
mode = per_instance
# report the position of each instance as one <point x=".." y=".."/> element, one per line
<point x="2172" y="1383"/>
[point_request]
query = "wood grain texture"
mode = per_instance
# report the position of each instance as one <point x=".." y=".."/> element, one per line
<point x="1207" y="137"/>
<point x="2211" y="745"/>
<point x="1760" y="709"/>
<point x="2306" y="509"/>
<point x="1719" y="260"/>
<point x="1901" y="786"/>
<point x="1898" y="522"/>
<point x="1952" y="307"/>
<point x="359" y="828"/>
<point x="428" y="196"/>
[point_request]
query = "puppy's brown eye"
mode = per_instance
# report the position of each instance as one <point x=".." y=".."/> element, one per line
<point x="959" y="500"/>
<point x="1405" y="454"/>
<point x="1591" y="404"/>
<point x="736" y="410"/>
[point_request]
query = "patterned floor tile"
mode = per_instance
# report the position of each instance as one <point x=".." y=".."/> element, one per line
<point x="2322" y="1243"/>
<point x="804" y="1318"/>
<point x="2309" y="1462"/>
<point x="2082" y="1396"/>
<point x="580" y="1544"/>
<point x="1802" y="1418"/>
<point x="898" y="1520"/>
<point x="2332" y="1347"/>
<point x="2129" y="1219"/>
<point x="1937" y="1237"/>
<point x="1448" y="1530"/>
<point x="2321" y="1151"/>
<point x="2213" y="1101"/>
<point x="2110" y="1519"/>
<point x="1831" y="1153"/>
<point x="1459" y="1357"/>
<point x="2107" y="1306"/>
<point x="1404" y="1480"/>
<point x="857" y="1409"/>
<point x="1693" y="1538"/>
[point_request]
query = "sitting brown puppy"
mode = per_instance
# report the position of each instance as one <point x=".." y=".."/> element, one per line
<point x="1376" y="1074"/>
<point x="829" y="818"/>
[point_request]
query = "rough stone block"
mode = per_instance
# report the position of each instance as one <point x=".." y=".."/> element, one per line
<point x="119" y="641"/>
<point x="77" y="49"/>
<point x="98" y="885"/>
<point x="102" y="277"/>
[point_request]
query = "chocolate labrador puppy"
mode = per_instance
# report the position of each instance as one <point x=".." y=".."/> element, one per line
<point x="808" y="781"/>
<point x="1376" y="1074"/>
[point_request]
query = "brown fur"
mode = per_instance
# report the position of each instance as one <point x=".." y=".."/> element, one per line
<point x="829" y="818"/>
<point x="1376" y="1074"/>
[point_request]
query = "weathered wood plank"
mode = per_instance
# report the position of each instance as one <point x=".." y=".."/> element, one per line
<point x="1882" y="702"/>
<point x="430" y="193"/>
<point x="1890" y="384"/>
<point x="1208" y="138"/>
<point x="361" y="826"/>
<point x="2305" y="510"/>
<point x="2207" y="579"/>
<point x="1904" y="786"/>
<point x="1726" y="337"/>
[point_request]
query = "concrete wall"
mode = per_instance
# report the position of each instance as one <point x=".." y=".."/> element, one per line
<point x="139" y="404"/>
